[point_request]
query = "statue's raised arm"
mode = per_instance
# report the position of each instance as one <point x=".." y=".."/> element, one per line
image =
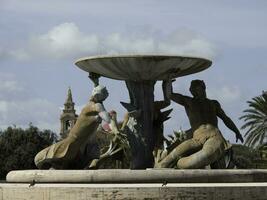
<point x="176" y="97"/>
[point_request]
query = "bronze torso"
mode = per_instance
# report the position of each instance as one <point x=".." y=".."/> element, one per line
<point x="201" y="111"/>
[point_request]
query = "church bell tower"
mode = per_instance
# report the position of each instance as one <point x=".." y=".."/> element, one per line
<point x="68" y="117"/>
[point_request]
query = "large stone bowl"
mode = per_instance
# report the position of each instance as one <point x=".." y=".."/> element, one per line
<point x="143" y="67"/>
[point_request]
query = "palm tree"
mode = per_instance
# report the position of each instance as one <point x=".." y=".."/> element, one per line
<point x="255" y="119"/>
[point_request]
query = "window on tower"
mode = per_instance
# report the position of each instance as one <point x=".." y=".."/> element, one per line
<point x="68" y="125"/>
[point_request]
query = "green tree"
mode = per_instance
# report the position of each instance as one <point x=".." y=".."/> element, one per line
<point x="244" y="157"/>
<point x="255" y="119"/>
<point x="19" y="146"/>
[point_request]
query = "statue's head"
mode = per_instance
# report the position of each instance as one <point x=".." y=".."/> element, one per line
<point x="99" y="93"/>
<point x="198" y="89"/>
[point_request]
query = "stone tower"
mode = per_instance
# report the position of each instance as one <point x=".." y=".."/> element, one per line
<point x="68" y="117"/>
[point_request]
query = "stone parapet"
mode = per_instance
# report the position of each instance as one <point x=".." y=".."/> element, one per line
<point x="178" y="191"/>
<point x="137" y="176"/>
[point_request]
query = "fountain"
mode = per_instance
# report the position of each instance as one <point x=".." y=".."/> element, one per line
<point x="140" y="73"/>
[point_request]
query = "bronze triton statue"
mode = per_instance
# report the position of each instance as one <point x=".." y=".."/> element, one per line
<point x="207" y="144"/>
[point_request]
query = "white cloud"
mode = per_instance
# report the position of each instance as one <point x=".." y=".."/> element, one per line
<point x="67" y="41"/>
<point x="3" y="109"/>
<point x="21" y="113"/>
<point x="187" y="42"/>
<point x="9" y="87"/>
<point x="19" y="109"/>
<point x="63" y="41"/>
<point x="225" y="94"/>
<point x="19" y="54"/>
<point x="3" y="53"/>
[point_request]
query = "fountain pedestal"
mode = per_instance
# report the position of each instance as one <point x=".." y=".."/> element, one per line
<point x="141" y="137"/>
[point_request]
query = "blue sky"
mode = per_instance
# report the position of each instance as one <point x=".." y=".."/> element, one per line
<point x="40" y="41"/>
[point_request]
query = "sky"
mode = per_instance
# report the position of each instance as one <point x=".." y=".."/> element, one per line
<point x="40" y="41"/>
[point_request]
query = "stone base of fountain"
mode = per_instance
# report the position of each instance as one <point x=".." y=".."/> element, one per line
<point x="135" y="184"/>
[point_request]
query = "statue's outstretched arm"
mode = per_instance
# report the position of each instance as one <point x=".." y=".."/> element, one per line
<point x="176" y="97"/>
<point x="166" y="102"/>
<point x="227" y="121"/>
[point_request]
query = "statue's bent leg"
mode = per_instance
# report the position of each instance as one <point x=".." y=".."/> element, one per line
<point x="212" y="150"/>
<point x="180" y="150"/>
